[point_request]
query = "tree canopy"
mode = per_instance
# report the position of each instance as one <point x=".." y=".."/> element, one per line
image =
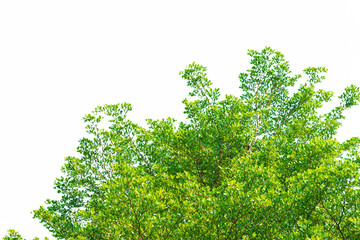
<point x="262" y="165"/>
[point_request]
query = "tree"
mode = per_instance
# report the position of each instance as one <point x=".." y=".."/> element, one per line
<point x="265" y="165"/>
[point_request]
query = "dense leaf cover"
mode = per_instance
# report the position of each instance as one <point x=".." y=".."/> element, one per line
<point x="265" y="165"/>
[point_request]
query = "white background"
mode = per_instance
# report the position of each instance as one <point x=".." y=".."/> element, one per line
<point x="60" y="59"/>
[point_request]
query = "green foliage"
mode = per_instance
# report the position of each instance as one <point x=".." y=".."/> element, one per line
<point x="264" y="165"/>
<point x="14" y="235"/>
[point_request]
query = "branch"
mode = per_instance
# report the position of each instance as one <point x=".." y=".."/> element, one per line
<point x="204" y="93"/>
<point x="198" y="158"/>
<point x="288" y="116"/>
<point x="236" y="219"/>
<point x="259" y="118"/>
<point x="170" y="231"/>
<point x="138" y="229"/>
<point x="257" y="126"/>
<point x="220" y="152"/>
<point x="138" y="151"/>
<point x="197" y="167"/>
<point x="337" y="224"/>
<point x="104" y="159"/>
<point x="342" y="209"/>
<point x="256" y="223"/>
<point x="312" y="210"/>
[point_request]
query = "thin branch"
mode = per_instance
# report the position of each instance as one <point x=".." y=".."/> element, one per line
<point x="288" y="116"/>
<point x="170" y="231"/>
<point x="337" y="224"/>
<point x="257" y="127"/>
<point x="196" y="165"/>
<point x="236" y="219"/>
<point x="202" y="89"/>
<point x="220" y="151"/>
<point x="110" y="175"/>
<point x="256" y="223"/>
<point x="139" y="152"/>
<point x="342" y="209"/>
<point x="138" y="229"/>
<point x="260" y="117"/>
<point x="312" y="210"/>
